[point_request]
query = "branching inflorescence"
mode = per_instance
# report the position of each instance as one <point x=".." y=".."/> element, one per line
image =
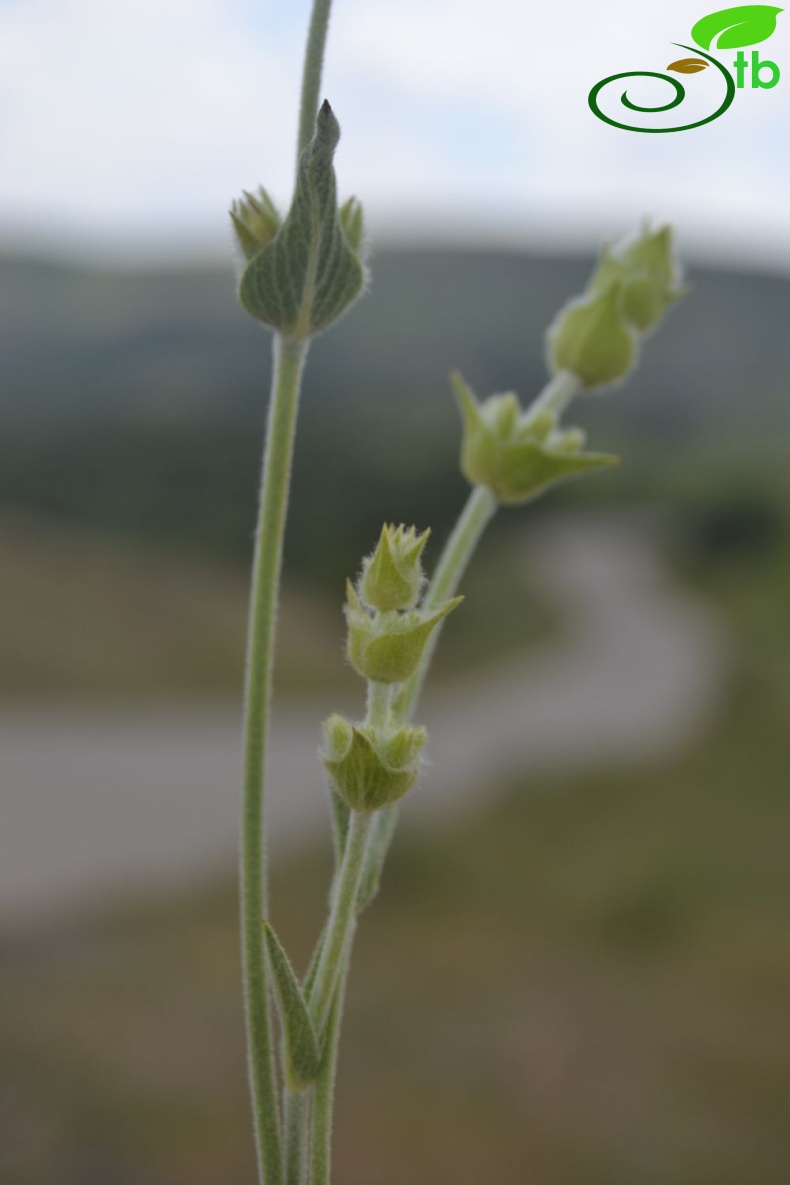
<point x="302" y="272"/>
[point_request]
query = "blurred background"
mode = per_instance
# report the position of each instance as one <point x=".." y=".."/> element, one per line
<point x="578" y="968"/>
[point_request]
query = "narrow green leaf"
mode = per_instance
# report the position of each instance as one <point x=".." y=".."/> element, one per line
<point x="302" y="1052"/>
<point x="309" y="274"/>
<point x="732" y="28"/>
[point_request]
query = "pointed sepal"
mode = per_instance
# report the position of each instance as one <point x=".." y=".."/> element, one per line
<point x="255" y="220"/>
<point x="387" y="647"/>
<point x="353" y="222"/>
<point x="515" y="454"/>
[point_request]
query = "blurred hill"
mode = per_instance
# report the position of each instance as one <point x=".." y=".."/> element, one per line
<point x="134" y="400"/>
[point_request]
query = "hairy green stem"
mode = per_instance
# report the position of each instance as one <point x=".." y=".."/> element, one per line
<point x="475" y="517"/>
<point x="311" y="73"/>
<point x="288" y="362"/>
<point x="324" y="1090"/>
<point x="379" y="704"/>
<point x="342" y="919"/>
<point x="296" y="1120"/>
<point x="555" y="396"/>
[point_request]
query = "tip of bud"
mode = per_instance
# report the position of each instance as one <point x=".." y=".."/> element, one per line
<point x="327" y="130"/>
<point x="647" y="267"/>
<point x="255" y="220"/>
<point x="392" y="577"/>
<point x="353" y="223"/>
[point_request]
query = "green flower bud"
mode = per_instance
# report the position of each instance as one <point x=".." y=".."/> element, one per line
<point x="652" y="253"/>
<point x="310" y="272"/>
<point x="370" y="770"/>
<point x="255" y="220"/>
<point x="353" y="223"/>
<point x="387" y="647"/>
<point x="514" y="454"/>
<point x="590" y="338"/>
<point x="392" y="577"/>
<point x="650" y="275"/>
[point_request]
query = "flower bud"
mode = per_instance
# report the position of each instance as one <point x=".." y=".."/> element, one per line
<point x="306" y="277"/>
<point x="255" y="220"/>
<point x="370" y="770"/>
<point x="650" y="275"/>
<point x="353" y="223"/>
<point x="517" y="455"/>
<point x="590" y="338"/>
<point x="392" y="577"/>
<point x="387" y="647"/>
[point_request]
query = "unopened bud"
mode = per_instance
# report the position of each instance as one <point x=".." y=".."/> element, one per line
<point x="392" y="576"/>
<point x="650" y="276"/>
<point x="353" y="222"/>
<point x="309" y="273"/>
<point x="370" y="770"/>
<point x="255" y="220"/>
<point x="590" y="338"/>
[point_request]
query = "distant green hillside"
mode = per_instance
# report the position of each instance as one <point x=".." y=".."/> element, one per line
<point x="135" y="400"/>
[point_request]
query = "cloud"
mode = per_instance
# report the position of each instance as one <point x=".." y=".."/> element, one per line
<point x="123" y="120"/>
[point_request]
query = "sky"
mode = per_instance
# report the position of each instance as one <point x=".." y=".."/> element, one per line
<point x="127" y="126"/>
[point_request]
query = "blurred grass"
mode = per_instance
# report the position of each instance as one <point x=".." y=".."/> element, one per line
<point x="89" y="614"/>
<point x="587" y="985"/>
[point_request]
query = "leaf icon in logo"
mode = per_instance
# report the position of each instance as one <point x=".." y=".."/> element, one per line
<point x="747" y="24"/>
<point x="688" y="65"/>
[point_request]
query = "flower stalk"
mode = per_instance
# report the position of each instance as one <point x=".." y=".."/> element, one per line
<point x="289" y="359"/>
<point x="336" y="945"/>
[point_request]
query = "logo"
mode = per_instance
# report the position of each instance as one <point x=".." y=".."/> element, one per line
<point x="731" y="28"/>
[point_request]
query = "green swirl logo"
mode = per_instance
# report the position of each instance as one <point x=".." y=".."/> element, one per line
<point x="731" y="28"/>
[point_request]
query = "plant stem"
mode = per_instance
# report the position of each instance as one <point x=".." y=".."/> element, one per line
<point x="342" y="919"/>
<point x="296" y="1121"/>
<point x="288" y="362"/>
<point x="311" y="73"/>
<point x="555" y="396"/>
<point x="379" y="704"/>
<point x="475" y="517"/>
<point x="289" y="356"/>
<point x="324" y="1091"/>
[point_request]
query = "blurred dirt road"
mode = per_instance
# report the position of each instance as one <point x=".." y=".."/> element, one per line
<point x="96" y="801"/>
